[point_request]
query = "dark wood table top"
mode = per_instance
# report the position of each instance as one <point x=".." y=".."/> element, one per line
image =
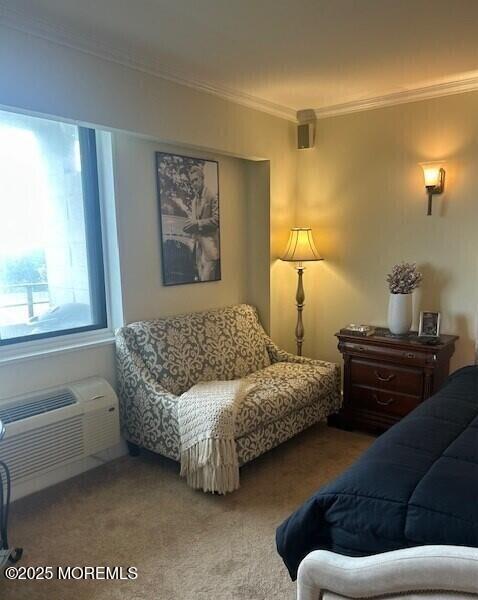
<point x="383" y="336"/>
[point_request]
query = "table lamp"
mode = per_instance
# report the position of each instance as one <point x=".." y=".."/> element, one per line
<point x="300" y="248"/>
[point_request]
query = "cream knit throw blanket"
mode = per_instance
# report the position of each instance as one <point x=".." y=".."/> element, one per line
<point x="206" y="415"/>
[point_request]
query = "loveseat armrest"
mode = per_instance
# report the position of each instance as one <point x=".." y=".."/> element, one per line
<point x="452" y="569"/>
<point x="138" y="390"/>
<point x="323" y="368"/>
<point x="277" y="354"/>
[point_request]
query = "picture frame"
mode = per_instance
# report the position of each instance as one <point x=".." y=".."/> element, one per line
<point x="188" y="200"/>
<point x="429" y="324"/>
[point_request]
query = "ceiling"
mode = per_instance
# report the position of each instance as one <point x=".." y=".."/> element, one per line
<point x="284" y="55"/>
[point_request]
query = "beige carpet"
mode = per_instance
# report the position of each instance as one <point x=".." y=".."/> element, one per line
<point x="186" y="545"/>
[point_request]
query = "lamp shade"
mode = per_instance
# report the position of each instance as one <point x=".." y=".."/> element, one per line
<point x="431" y="176"/>
<point x="434" y="175"/>
<point x="301" y="246"/>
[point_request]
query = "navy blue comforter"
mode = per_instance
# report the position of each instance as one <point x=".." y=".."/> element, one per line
<point x="417" y="484"/>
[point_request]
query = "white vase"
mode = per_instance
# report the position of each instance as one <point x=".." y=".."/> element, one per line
<point x="400" y="313"/>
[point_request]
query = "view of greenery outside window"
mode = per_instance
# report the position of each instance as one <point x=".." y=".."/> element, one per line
<point x="51" y="259"/>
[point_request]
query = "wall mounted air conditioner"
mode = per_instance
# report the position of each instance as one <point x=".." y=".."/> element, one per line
<point x="56" y="427"/>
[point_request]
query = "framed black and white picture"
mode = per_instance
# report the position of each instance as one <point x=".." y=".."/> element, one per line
<point x="188" y="195"/>
<point x="429" y="324"/>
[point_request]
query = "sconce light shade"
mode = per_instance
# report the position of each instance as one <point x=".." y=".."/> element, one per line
<point x="301" y="246"/>
<point x="434" y="175"/>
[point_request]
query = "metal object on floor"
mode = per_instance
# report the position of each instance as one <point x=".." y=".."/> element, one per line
<point x="7" y="554"/>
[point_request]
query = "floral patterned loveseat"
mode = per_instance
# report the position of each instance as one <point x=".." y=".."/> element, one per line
<point x="159" y="360"/>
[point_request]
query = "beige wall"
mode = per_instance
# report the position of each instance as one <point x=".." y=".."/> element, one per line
<point x="138" y="229"/>
<point x="43" y="77"/>
<point x="362" y="190"/>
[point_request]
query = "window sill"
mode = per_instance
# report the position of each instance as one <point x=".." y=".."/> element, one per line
<point x="48" y="347"/>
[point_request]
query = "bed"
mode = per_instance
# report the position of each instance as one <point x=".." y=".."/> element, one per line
<point x="416" y="485"/>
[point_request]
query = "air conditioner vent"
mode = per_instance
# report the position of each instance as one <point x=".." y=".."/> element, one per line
<point x="52" y="434"/>
<point x="39" y="450"/>
<point x="37" y="406"/>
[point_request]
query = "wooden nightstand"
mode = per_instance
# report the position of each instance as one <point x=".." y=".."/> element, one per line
<point x="385" y="377"/>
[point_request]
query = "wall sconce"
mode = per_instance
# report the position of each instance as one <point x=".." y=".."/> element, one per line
<point x="434" y="175"/>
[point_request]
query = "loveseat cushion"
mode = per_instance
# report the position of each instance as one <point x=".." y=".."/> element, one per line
<point x="227" y="343"/>
<point x="284" y="387"/>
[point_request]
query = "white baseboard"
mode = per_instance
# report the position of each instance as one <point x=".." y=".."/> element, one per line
<point x="25" y="488"/>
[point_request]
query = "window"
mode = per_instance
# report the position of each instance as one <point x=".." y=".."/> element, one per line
<point x="51" y="258"/>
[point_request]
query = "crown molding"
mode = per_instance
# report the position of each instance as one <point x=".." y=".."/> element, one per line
<point x="448" y="88"/>
<point x="14" y="18"/>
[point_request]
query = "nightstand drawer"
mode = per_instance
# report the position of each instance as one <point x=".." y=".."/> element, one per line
<point x="387" y="376"/>
<point x="381" y="401"/>
<point x="400" y="355"/>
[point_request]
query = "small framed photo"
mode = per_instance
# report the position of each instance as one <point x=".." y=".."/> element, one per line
<point x="429" y="324"/>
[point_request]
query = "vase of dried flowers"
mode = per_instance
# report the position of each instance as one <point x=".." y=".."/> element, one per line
<point x="403" y="279"/>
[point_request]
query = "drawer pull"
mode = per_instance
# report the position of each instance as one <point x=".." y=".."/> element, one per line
<point x="383" y="402"/>
<point x="382" y="378"/>
<point x="410" y="355"/>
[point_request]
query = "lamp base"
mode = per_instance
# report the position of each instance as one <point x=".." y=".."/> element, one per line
<point x="300" y="298"/>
